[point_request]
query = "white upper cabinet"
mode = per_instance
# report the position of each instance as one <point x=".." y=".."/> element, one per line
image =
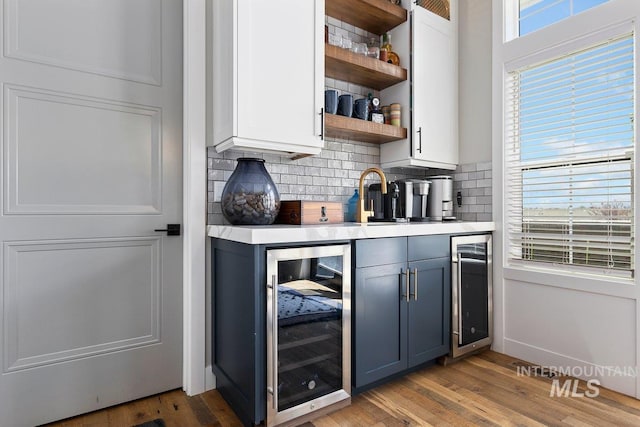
<point x="432" y="94"/>
<point x="268" y="75"/>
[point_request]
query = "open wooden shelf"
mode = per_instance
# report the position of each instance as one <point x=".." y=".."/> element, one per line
<point x="361" y="130"/>
<point x="375" y="16"/>
<point x="342" y="64"/>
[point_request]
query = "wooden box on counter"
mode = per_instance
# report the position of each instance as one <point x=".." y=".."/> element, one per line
<point x="297" y="212"/>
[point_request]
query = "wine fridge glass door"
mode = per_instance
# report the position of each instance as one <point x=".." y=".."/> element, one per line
<point x="308" y="294"/>
<point x="471" y="293"/>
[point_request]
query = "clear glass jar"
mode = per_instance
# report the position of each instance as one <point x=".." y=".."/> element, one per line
<point x="250" y="197"/>
<point x="373" y="48"/>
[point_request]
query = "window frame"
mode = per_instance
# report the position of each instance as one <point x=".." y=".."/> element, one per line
<point x="520" y="168"/>
<point x="574" y="33"/>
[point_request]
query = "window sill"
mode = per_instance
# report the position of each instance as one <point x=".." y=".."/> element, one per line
<point x="611" y="286"/>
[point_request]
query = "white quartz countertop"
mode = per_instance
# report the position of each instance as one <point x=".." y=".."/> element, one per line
<point x="266" y="234"/>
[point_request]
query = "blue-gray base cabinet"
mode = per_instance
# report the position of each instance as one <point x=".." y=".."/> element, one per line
<point x="238" y="294"/>
<point x="239" y="325"/>
<point x="402" y="305"/>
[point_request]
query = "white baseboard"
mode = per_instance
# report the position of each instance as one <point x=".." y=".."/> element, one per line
<point x="614" y="380"/>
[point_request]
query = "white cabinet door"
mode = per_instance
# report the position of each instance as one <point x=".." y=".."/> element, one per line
<point x="268" y="88"/>
<point x="435" y="88"/>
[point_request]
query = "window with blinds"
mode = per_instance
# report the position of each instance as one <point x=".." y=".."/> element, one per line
<point x="569" y="160"/>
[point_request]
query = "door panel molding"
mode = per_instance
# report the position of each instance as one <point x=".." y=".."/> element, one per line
<point x="128" y="32"/>
<point x="89" y="290"/>
<point x="42" y="128"/>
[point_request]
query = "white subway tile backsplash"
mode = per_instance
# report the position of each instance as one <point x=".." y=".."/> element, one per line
<point x="342" y="32"/>
<point x="218" y="186"/>
<point x="329" y="173"/>
<point x="349" y="165"/>
<point x="305" y="179"/>
<point x="331" y="21"/>
<point x="484" y="166"/>
<point x="361" y="149"/>
<point x="348" y="27"/>
<point x="469" y="167"/>
<point x="289" y="179"/>
<point x="319" y="180"/>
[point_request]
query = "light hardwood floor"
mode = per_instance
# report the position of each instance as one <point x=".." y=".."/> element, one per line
<point x="480" y="390"/>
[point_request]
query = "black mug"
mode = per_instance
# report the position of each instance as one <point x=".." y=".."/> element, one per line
<point x="361" y="109"/>
<point x="330" y="101"/>
<point x="345" y="105"/>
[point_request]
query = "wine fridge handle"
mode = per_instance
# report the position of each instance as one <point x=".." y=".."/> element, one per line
<point x="459" y="286"/>
<point x="274" y="342"/>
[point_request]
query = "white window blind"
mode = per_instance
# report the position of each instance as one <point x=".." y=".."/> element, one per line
<point x="569" y="160"/>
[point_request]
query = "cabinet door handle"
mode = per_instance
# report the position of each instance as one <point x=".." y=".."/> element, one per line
<point x="322" y="123"/>
<point x="414" y="294"/>
<point x="407" y="273"/>
<point x="420" y="139"/>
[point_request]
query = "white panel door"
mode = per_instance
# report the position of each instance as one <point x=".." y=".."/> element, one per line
<point x="91" y="158"/>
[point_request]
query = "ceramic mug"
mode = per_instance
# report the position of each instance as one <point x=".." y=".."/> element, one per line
<point x="361" y="109"/>
<point x="345" y="105"/>
<point x="331" y="101"/>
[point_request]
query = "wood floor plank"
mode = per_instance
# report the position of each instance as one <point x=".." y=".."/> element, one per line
<point x="133" y="413"/>
<point x="451" y="408"/>
<point x="352" y="415"/>
<point x="175" y="410"/>
<point x="440" y="408"/>
<point x="401" y="409"/>
<point x="201" y="411"/>
<point x="469" y="387"/>
<point x="220" y="409"/>
<point x="492" y="413"/>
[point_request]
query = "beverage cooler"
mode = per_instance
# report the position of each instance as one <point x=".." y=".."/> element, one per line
<point x="471" y="293"/>
<point x="308" y="330"/>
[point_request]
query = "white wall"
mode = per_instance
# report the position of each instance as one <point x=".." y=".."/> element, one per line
<point x="548" y="318"/>
<point x="474" y="49"/>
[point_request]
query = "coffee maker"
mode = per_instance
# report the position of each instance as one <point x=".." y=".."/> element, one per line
<point x="386" y="207"/>
<point x="441" y="198"/>
<point x="413" y="199"/>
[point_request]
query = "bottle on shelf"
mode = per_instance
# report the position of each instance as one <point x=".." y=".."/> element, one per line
<point x="376" y="115"/>
<point x="352" y="207"/>
<point x="391" y="56"/>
